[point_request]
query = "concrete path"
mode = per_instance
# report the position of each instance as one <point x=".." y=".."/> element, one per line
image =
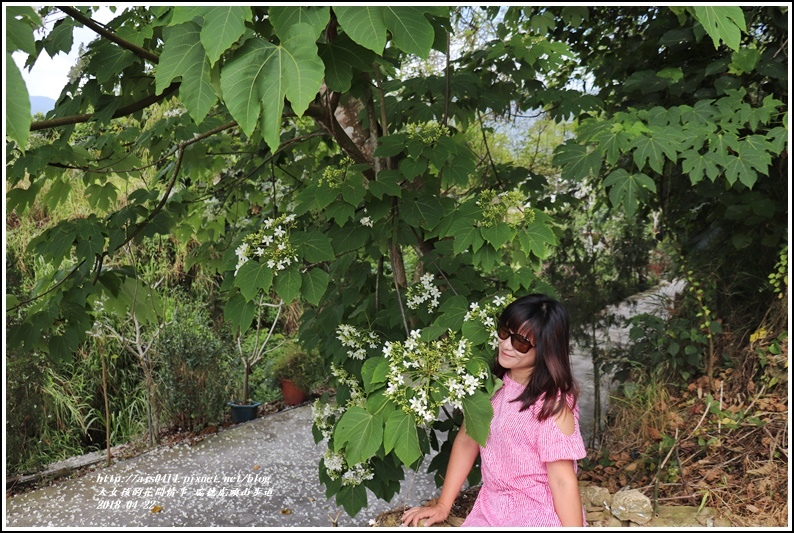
<point x="261" y="473"/>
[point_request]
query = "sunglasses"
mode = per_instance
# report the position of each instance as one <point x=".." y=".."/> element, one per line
<point x="520" y="343"/>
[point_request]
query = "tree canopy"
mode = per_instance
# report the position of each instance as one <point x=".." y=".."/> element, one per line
<point x="291" y="149"/>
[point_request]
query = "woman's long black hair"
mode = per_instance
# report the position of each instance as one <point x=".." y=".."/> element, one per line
<point x="546" y="322"/>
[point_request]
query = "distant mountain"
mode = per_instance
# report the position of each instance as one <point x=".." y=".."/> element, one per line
<point x="41" y="104"/>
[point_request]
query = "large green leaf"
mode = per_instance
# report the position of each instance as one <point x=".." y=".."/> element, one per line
<point x="313" y="246"/>
<point x="261" y="74"/>
<point x="288" y="283"/>
<point x="538" y="237"/>
<point x="17" y="105"/>
<point x="101" y="196"/>
<point x="460" y="165"/>
<point x="109" y="60"/>
<point x="359" y="433"/>
<point x="466" y="235"/>
<point x="401" y="436"/>
<point x="184" y="56"/>
<point x="422" y="210"/>
<point x="252" y="278"/>
<point x="239" y="312"/>
<point x="576" y="161"/>
<point x="20" y="21"/>
<point x="486" y="257"/>
<point x="282" y="17"/>
<point x="626" y="190"/>
<point x="222" y="25"/>
<point x="62" y="347"/>
<point x="314" y="285"/>
<point x="55" y="243"/>
<point x="350" y="237"/>
<point x="411" y="30"/>
<point x="374" y="373"/>
<point x="746" y="165"/>
<point x="341" y="56"/>
<point x="497" y="234"/>
<point x="652" y="148"/>
<point x="136" y="298"/>
<point x="364" y="24"/>
<point x="612" y="143"/>
<point x="722" y="23"/>
<point x="696" y="165"/>
<point x="352" y="498"/>
<point x="91" y="241"/>
<point x="477" y="414"/>
<point x="452" y="312"/>
<point x="367" y="26"/>
<point x="245" y="82"/>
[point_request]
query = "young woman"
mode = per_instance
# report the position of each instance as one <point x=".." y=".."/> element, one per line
<point x="529" y="461"/>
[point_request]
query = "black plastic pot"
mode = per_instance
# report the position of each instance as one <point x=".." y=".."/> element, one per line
<point x="243" y="412"/>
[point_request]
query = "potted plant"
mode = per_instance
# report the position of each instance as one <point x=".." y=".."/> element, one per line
<point x="297" y="371"/>
<point x="251" y="351"/>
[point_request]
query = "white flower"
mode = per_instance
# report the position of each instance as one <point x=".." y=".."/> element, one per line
<point x="366" y="221"/>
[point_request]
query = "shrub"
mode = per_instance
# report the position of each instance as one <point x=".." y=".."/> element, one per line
<point x="194" y="370"/>
<point x="305" y="368"/>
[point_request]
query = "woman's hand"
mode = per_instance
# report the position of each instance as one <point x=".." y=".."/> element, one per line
<point x="432" y="514"/>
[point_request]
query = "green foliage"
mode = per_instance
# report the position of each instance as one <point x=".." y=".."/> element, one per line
<point x="217" y="120"/>
<point x="652" y="347"/>
<point x="59" y="412"/>
<point x="25" y="379"/>
<point x="194" y="370"/>
<point x="779" y="277"/>
<point x="305" y="367"/>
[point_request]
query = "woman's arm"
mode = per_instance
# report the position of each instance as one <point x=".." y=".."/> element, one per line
<point x="562" y="479"/>
<point x="461" y="459"/>
<point x="565" y="492"/>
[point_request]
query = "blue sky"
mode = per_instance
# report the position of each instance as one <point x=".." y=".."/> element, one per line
<point x="49" y="75"/>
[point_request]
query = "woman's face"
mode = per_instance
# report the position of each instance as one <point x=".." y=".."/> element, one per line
<point x="510" y="358"/>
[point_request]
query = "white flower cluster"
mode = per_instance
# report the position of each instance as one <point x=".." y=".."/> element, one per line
<point x="423" y="292"/>
<point x="366" y="220"/>
<point x="356" y="392"/>
<point x="270" y="244"/>
<point x="325" y="416"/>
<point x="423" y="376"/>
<point x="356" y="340"/>
<point x="336" y="465"/>
<point x="212" y="208"/>
<point x="485" y="315"/>
<point x="357" y="474"/>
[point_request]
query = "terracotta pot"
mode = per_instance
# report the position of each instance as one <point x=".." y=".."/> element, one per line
<point x="291" y="393"/>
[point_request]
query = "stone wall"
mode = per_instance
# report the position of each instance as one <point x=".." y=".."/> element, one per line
<point x="631" y="508"/>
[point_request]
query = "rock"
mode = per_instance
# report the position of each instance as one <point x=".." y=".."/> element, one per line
<point x="688" y="516"/>
<point x="632" y="505"/>
<point x="595" y="498"/>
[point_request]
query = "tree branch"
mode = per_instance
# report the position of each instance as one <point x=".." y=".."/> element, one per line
<point x="109" y="35"/>
<point x="487" y="150"/>
<point x="332" y="126"/>
<point x="120" y="112"/>
<point x="180" y="150"/>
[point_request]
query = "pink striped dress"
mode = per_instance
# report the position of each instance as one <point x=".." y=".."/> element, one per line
<point x="515" y="489"/>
